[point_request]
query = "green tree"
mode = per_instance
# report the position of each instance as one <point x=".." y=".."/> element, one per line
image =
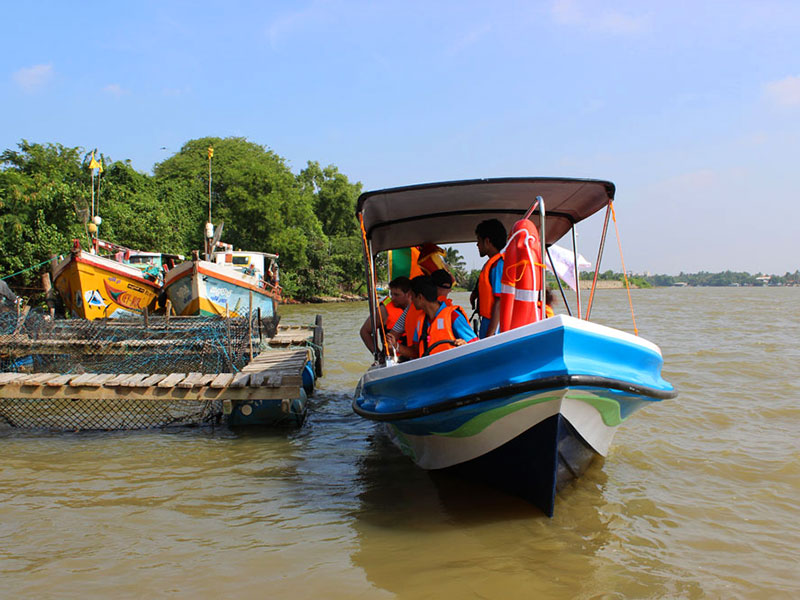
<point x="41" y="188"/>
<point x="253" y="192"/>
<point x="457" y="265"/>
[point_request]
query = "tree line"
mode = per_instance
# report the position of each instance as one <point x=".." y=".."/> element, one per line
<point x="308" y="218"/>
<point x="702" y="278"/>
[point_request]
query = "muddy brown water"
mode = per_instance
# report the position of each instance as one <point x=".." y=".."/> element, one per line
<point x="698" y="497"/>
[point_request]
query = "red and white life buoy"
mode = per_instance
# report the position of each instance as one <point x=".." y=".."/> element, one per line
<point x="521" y="281"/>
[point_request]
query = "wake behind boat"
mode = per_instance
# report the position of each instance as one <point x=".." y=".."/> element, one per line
<point x="525" y="410"/>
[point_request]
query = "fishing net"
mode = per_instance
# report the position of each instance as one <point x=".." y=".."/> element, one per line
<point x="34" y="343"/>
<point x="75" y="414"/>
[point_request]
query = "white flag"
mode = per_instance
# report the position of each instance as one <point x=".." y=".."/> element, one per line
<point x="564" y="264"/>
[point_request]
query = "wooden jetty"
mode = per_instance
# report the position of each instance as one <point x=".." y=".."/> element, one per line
<point x="271" y="388"/>
<point x="273" y="374"/>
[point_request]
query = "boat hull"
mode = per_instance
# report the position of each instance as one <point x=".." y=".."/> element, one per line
<point x="93" y="287"/>
<point x="203" y="288"/>
<point x="501" y="408"/>
<point x="536" y="465"/>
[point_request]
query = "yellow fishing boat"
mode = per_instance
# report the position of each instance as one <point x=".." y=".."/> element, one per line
<point x="97" y="287"/>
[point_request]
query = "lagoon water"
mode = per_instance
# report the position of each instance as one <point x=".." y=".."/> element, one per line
<point x="698" y="497"/>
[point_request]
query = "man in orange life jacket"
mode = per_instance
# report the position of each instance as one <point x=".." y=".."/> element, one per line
<point x="437" y="322"/>
<point x="391" y="308"/>
<point x="491" y="238"/>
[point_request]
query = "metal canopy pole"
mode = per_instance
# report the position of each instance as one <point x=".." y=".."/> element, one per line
<point x="543" y="291"/>
<point x="558" y="281"/>
<point x="577" y="275"/>
<point x="373" y="300"/>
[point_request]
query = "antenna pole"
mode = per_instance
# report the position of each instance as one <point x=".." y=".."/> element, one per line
<point x="210" y="154"/>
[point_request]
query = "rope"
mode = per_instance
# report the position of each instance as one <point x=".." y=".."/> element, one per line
<point x="29" y="268"/>
<point x="624" y="270"/>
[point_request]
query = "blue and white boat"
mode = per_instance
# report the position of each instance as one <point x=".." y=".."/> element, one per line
<point x="232" y="283"/>
<point x="526" y="410"/>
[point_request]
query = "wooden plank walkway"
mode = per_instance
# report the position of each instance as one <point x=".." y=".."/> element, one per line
<point x="273" y="374"/>
<point x="291" y="335"/>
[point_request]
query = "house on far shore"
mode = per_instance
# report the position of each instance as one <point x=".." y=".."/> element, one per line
<point x="680" y="284"/>
<point x="764" y="279"/>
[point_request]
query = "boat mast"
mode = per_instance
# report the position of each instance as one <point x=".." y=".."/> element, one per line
<point x="95" y="218"/>
<point x="209" y="224"/>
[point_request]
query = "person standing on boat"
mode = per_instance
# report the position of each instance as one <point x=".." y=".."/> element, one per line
<point x="392" y="307"/>
<point x="491" y="239"/>
<point x="437" y="323"/>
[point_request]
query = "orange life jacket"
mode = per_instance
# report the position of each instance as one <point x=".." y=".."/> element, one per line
<point x="548" y="310"/>
<point x="440" y="329"/>
<point x="393" y="313"/>
<point x="486" y="297"/>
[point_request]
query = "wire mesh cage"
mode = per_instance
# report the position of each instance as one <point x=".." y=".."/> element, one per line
<point x="34" y="343"/>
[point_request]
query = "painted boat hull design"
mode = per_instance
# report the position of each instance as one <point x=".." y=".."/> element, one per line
<point x="94" y="287"/>
<point x="205" y="288"/>
<point x="525" y="410"/>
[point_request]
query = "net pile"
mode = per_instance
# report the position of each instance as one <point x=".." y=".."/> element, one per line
<point x="34" y="343"/>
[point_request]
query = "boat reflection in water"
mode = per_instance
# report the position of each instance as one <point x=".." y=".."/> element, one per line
<point x="422" y="530"/>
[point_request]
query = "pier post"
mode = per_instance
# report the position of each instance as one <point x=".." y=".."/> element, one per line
<point x="250" y="325"/>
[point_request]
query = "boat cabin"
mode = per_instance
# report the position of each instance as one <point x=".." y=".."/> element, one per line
<point x="261" y="266"/>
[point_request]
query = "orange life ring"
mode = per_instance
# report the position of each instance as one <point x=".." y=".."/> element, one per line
<point x="522" y="277"/>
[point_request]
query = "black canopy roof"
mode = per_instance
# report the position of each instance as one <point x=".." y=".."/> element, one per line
<point x="448" y="212"/>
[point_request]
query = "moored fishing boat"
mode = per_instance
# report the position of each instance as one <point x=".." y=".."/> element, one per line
<point x="231" y="283"/>
<point x="99" y="287"/>
<point x="528" y="409"/>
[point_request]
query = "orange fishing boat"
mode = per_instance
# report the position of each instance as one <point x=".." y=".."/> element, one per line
<point x="99" y="287"/>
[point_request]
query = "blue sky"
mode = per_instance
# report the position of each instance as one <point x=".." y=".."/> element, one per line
<point x="691" y="108"/>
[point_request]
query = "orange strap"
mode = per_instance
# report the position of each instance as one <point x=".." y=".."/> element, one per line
<point x="374" y="291"/>
<point x="624" y="270"/>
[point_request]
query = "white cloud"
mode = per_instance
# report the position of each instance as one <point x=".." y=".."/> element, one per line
<point x="32" y="79"/>
<point x="784" y="92"/>
<point x="598" y="18"/>
<point x="116" y="89"/>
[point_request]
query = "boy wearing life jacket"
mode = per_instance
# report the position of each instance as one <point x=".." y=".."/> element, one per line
<point x="403" y="330"/>
<point x="491" y="239"/>
<point x="437" y="322"/>
<point x="391" y="308"/>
